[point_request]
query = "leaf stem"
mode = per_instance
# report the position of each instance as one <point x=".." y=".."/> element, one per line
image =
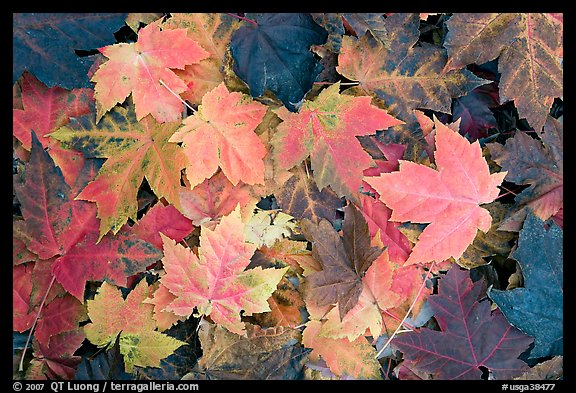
<point x="341" y="83"/>
<point x="407" y="312"/>
<point x="176" y="95"/>
<point x="242" y="18"/>
<point x="398" y="319"/>
<point x="21" y="366"/>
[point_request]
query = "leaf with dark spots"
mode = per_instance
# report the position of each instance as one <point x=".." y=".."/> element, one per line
<point x="344" y="260"/>
<point x="471" y="336"/>
<point x="134" y="150"/>
<point x="44" y="110"/>
<point x="261" y="354"/>
<point x="332" y="23"/>
<point x="46" y="207"/>
<point x="486" y="244"/>
<point x="300" y="197"/>
<point x="529" y="49"/>
<point x="275" y="55"/>
<point x="404" y="77"/>
<point x="474" y="111"/>
<point x="44" y="44"/>
<point x="182" y="360"/>
<point x="537" y="307"/>
<point x="538" y="163"/>
<point x="113" y="259"/>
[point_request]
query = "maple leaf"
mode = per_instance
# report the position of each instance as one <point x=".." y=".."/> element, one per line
<point x="529" y="48"/>
<point x="406" y="77"/>
<point x="265" y="227"/>
<point x="57" y="226"/>
<point x="344" y="260"/>
<point x="182" y="360"/>
<point x="214" y="198"/>
<point x="299" y="196"/>
<point x="138" y="68"/>
<point x="45" y="44"/>
<point x="221" y="134"/>
<point x="56" y="360"/>
<point x="377" y="295"/>
<point x="474" y="110"/>
<point x="274" y="54"/>
<point x="286" y="306"/>
<point x="470" y="337"/>
<point x="215" y="282"/>
<point x="548" y="370"/>
<point x="162" y="219"/>
<point x="134" y="150"/>
<point x="163" y="297"/>
<point x="388" y="162"/>
<point x="261" y="354"/>
<point x="540" y="164"/>
<point x="44" y="110"/>
<point x="447" y="198"/>
<point x="289" y="252"/>
<point x="492" y="242"/>
<point x="326" y="129"/>
<point x="213" y="33"/>
<point x="356" y="358"/>
<point x="104" y="366"/>
<point x="111" y="315"/>
<point x="536" y="308"/>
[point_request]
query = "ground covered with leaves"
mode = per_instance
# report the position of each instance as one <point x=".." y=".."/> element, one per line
<point x="288" y="196"/>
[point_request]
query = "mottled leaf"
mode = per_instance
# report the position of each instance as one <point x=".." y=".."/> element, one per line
<point x="529" y="47"/>
<point x="213" y="32"/>
<point x="548" y="370"/>
<point x="355" y="359"/>
<point x="404" y="77"/>
<point x="325" y="129"/>
<point x="262" y="354"/>
<point x="300" y="197"/>
<point x="537" y="307"/>
<point x="111" y="315"/>
<point x="134" y="150"/>
<point x="45" y="110"/>
<point x="215" y="283"/>
<point x="344" y="260"/>
<point x="538" y="163"/>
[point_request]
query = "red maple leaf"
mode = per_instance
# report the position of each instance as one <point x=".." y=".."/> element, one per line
<point x="471" y="336"/>
<point x="326" y="129"/>
<point x="139" y="67"/>
<point x="447" y="198"/>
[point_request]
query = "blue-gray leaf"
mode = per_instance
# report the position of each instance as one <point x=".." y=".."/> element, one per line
<point x="275" y="55"/>
<point x="537" y="308"/>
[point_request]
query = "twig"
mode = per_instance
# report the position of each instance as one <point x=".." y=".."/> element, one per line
<point x="408" y="312"/>
<point x="341" y="83"/>
<point x="176" y="95"/>
<point x="242" y="18"/>
<point x="21" y="366"/>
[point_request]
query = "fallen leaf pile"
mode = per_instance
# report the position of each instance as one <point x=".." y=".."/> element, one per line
<point x="288" y="196"/>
